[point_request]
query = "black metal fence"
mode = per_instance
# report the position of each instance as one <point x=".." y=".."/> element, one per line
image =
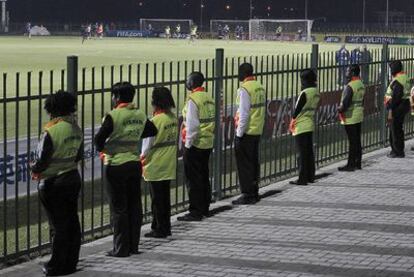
<point x="23" y="225"/>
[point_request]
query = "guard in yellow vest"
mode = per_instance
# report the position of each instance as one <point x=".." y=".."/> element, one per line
<point x="302" y="126"/>
<point x="397" y="102"/>
<point x="117" y="140"/>
<point x="159" y="160"/>
<point x="351" y="114"/>
<point x="198" y="138"/>
<point x="56" y="167"/>
<point x="250" y="118"/>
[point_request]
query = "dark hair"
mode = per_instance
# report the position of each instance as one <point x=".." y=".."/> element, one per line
<point x="162" y="98"/>
<point x="194" y="80"/>
<point x="308" y="77"/>
<point x="354" y="70"/>
<point x="245" y="70"/>
<point x="396" y="67"/>
<point x="61" y="103"/>
<point x="123" y="92"/>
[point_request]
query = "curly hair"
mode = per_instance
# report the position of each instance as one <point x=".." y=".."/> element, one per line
<point x="61" y="103"/>
<point x="162" y="98"/>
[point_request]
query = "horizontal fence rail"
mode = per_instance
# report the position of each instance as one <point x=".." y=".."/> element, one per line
<point x="24" y="231"/>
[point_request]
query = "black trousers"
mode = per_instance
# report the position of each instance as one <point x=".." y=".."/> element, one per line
<point x="59" y="196"/>
<point x="161" y="206"/>
<point x="353" y="132"/>
<point x="397" y="128"/>
<point x="196" y="169"/>
<point x="248" y="167"/>
<point x="124" y="191"/>
<point x="306" y="157"/>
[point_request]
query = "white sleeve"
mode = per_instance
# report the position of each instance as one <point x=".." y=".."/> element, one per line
<point x="192" y="124"/>
<point x="243" y="111"/>
<point x="147" y="143"/>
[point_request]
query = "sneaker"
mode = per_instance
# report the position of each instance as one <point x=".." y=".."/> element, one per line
<point x="393" y="156"/>
<point x="298" y="183"/>
<point x="245" y="200"/>
<point x="112" y="254"/>
<point x="346" y="168"/>
<point x="154" y="234"/>
<point x="190" y="217"/>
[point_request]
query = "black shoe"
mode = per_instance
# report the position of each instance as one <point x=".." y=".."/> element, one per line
<point x="297" y="183"/>
<point x="154" y="234"/>
<point x="112" y="254"/>
<point x="346" y="168"/>
<point x="53" y="272"/>
<point x="392" y="155"/>
<point x="246" y="200"/>
<point x="134" y="252"/>
<point x="190" y="217"/>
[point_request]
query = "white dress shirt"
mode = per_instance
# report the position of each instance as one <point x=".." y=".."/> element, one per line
<point x="243" y="112"/>
<point x="192" y="124"/>
<point x="147" y="144"/>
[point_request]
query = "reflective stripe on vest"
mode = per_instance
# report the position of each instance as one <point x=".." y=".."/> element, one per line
<point x="305" y="120"/>
<point x="66" y="138"/>
<point x="206" y="112"/>
<point x="403" y="79"/>
<point x="122" y="145"/>
<point x="161" y="161"/>
<point x="355" y="112"/>
<point x="257" y="96"/>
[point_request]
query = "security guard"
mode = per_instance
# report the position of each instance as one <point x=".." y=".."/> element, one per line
<point x="159" y="160"/>
<point x="351" y="114"/>
<point x="117" y="140"/>
<point x="397" y="102"/>
<point x="302" y="126"/>
<point x="55" y="166"/>
<point x="250" y="118"/>
<point x="198" y="137"/>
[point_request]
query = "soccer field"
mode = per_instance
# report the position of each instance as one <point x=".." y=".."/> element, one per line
<point x="19" y="54"/>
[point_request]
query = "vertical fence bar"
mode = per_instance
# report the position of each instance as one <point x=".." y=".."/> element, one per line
<point x="72" y="74"/>
<point x="217" y="136"/>
<point x="4" y="173"/>
<point x="27" y="173"/>
<point x="315" y="56"/>
<point x="384" y="82"/>
<point x="16" y="164"/>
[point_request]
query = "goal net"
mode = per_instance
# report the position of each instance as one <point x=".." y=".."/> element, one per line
<point x="269" y="29"/>
<point x="238" y="28"/>
<point x="158" y="25"/>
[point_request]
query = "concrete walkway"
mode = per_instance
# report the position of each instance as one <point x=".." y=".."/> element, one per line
<point x="347" y="224"/>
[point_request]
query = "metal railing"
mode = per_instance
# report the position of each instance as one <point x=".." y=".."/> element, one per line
<point x="23" y="225"/>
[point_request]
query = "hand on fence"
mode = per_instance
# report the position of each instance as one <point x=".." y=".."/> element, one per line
<point x="389" y="118"/>
<point x="342" y="117"/>
<point x="292" y="126"/>
<point x="36" y="176"/>
<point x="142" y="160"/>
<point x="102" y="156"/>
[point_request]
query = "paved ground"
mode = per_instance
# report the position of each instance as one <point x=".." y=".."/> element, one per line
<point x="347" y="224"/>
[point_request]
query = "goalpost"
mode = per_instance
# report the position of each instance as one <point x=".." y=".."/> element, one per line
<point x="158" y="25"/>
<point x="274" y="29"/>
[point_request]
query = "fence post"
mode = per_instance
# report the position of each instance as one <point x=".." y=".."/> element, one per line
<point x="384" y="83"/>
<point x="315" y="57"/>
<point x="218" y="79"/>
<point x="72" y="74"/>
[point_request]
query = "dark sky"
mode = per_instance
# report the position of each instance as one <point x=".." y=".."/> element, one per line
<point x="131" y="10"/>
